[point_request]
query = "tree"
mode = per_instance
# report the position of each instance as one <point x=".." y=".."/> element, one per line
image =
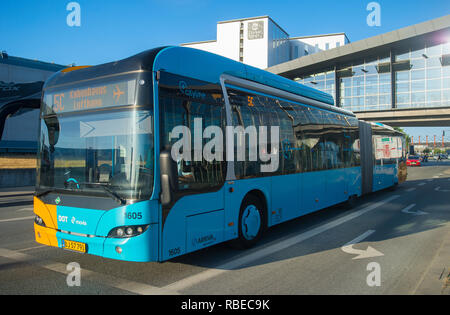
<point x="408" y="138"/>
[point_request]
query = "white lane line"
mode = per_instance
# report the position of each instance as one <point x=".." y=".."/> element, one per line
<point x="271" y="249"/>
<point x="32" y="248"/>
<point x="442" y="190"/>
<point x="111" y="281"/>
<point x="421" y="184"/>
<point x="368" y="253"/>
<point x="17" y="219"/>
<point x="360" y="238"/>
<point x="25" y="209"/>
<point x="411" y="189"/>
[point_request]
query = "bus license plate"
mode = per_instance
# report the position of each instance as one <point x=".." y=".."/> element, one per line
<point x="75" y="246"/>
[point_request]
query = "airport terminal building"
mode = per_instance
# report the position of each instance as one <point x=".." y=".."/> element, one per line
<point x="262" y="43"/>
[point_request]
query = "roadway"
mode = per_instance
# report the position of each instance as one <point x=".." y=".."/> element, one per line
<point x="392" y="242"/>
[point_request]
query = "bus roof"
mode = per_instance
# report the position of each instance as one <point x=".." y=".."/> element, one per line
<point x="379" y="125"/>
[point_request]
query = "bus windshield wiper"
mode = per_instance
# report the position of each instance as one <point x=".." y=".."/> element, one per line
<point x="109" y="191"/>
<point x="48" y="191"/>
<point x="44" y="192"/>
<point x="113" y="194"/>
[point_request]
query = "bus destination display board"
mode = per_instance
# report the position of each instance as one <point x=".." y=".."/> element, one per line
<point x="90" y="97"/>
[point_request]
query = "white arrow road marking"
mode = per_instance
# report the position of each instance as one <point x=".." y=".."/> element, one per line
<point x="421" y="184"/>
<point x="442" y="190"/>
<point x="368" y="253"/>
<point x="418" y="212"/>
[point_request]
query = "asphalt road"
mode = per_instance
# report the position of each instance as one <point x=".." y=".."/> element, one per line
<point x="392" y="242"/>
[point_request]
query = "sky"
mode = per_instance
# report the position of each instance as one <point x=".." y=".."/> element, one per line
<point x="115" y="29"/>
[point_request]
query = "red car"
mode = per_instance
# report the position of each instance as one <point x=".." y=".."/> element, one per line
<point x="413" y="161"/>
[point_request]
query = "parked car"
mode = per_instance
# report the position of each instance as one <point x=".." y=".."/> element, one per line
<point x="413" y="161"/>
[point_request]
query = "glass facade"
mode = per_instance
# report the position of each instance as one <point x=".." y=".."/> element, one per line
<point x="324" y="81"/>
<point x="366" y="84"/>
<point x="416" y="76"/>
<point x="422" y="78"/>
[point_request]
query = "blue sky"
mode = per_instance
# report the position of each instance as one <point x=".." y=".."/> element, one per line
<point x="115" y="29"/>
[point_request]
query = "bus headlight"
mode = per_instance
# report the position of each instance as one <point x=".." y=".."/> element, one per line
<point x="127" y="231"/>
<point x="38" y="220"/>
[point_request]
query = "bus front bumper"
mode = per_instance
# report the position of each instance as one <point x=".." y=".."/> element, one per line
<point x="141" y="248"/>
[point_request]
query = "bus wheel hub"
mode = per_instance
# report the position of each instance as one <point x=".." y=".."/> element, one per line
<point x="251" y="222"/>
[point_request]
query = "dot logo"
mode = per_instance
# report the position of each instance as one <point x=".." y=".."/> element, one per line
<point x="62" y="218"/>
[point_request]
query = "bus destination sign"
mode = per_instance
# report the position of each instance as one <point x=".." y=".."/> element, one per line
<point x="90" y="97"/>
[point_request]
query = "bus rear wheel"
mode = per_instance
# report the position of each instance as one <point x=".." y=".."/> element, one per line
<point x="352" y="202"/>
<point x="251" y="222"/>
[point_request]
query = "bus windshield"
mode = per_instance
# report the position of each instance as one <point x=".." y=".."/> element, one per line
<point x="104" y="153"/>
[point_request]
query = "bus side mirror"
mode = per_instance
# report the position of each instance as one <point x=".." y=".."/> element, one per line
<point x="169" y="177"/>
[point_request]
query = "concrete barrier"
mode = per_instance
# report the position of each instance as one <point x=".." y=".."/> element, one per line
<point x="17" y="177"/>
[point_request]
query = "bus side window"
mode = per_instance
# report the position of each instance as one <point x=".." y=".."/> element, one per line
<point x="300" y="121"/>
<point x="315" y="138"/>
<point x="288" y="149"/>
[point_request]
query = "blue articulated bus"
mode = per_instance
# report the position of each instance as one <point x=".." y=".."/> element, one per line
<point x="176" y="149"/>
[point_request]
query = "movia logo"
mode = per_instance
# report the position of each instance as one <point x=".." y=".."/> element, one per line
<point x="183" y="86"/>
<point x="57" y="200"/>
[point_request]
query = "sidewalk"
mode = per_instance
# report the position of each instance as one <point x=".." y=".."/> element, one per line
<point x="436" y="279"/>
<point x="11" y="191"/>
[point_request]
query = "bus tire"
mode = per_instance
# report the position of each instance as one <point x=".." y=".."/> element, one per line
<point x="393" y="187"/>
<point x="251" y="222"/>
<point x="351" y="202"/>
